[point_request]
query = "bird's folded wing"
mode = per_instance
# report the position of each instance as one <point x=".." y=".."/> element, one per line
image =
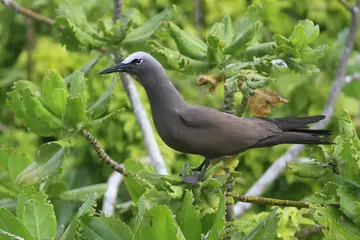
<point x="243" y="132"/>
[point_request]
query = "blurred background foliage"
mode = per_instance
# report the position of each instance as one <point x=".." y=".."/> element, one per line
<point x="121" y="137"/>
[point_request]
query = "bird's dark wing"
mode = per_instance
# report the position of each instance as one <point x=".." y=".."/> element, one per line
<point x="222" y="133"/>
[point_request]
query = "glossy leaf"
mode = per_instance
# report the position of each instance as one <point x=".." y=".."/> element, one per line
<point x="74" y="113"/>
<point x="39" y="217"/>
<point x="189" y="218"/>
<point x="187" y="44"/>
<point x="26" y="105"/>
<point x="266" y="229"/>
<point x="17" y="163"/>
<point x="13" y="225"/>
<point x="99" y="107"/>
<point x="37" y="172"/>
<point x="308" y="169"/>
<point x="106" y="228"/>
<point x="54" y="93"/>
<point x="141" y="34"/>
<point x="95" y="191"/>
<point x="158" y="223"/>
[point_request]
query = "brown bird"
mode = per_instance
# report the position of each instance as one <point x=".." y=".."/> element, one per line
<point x="205" y="131"/>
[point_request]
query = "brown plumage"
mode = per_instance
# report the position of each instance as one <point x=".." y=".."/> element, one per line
<point x="205" y="131"/>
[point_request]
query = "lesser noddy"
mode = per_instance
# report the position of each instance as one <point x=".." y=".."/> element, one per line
<point x="205" y="131"/>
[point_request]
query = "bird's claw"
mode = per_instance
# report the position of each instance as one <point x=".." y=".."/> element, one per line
<point x="192" y="179"/>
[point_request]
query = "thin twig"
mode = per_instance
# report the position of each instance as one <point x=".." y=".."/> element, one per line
<point x="199" y="16"/>
<point x="140" y="113"/>
<point x="103" y="155"/>
<point x="117" y="10"/>
<point x="110" y="195"/>
<point x="276" y="202"/>
<point x="346" y="4"/>
<point x="274" y="171"/>
<point x="30" y="44"/>
<point x="28" y="12"/>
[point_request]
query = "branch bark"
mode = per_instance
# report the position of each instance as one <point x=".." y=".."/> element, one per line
<point x="274" y="171"/>
<point x="28" y="12"/>
<point x="110" y="195"/>
<point x="276" y="202"/>
<point x="103" y="155"/>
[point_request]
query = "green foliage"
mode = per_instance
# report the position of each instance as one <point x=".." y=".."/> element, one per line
<point x="267" y="45"/>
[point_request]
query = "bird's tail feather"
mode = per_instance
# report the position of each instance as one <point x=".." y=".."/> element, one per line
<point x="296" y="131"/>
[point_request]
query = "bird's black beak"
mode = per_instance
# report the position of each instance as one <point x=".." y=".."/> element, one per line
<point x="117" y="68"/>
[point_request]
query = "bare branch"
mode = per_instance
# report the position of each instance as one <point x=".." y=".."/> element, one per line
<point x="110" y="196"/>
<point x="274" y="171"/>
<point x="103" y="155"/>
<point x="276" y="202"/>
<point x="28" y="12"/>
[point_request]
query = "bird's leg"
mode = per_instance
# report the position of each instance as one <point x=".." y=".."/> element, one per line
<point x="200" y="167"/>
<point x="193" y="179"/>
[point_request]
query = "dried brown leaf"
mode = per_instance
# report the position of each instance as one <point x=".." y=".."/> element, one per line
<point x="259" y="103"/>
<point x="211" y="80"/>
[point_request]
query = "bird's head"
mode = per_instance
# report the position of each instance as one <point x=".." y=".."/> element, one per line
<point x="139" y="64"/>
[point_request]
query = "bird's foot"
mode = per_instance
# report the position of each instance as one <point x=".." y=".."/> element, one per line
<point x="192" y="179"/>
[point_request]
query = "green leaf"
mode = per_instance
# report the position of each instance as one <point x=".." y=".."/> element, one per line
<point x="141" y="34"/>
<point x="35" y="173"/>
<point x="174" y="60"/>
<point x="350" y="201"/>
<point x="25" y="195"/>
<point x="228" y="30"/>
<point x="259" y="50"/>
<point x="74" y="113"/>
<point x="308" y="169"/>
<point x="39" y="217"/>
<point x="87" y="209"/>
<point x="73" y="30"/>
<point x="26" y="105"/>
<point x="12" y="225"/>
<point x="46" y="151"/>
<point x="99" y="107"/>
<point x="189" y="218"/>
<point x="239" y="43"/>
<point x="336" y="224"/>
<point x="7" y="192"/>
<point x="266" y="229"/>
<point x="231" y="84"/>
<point x="95" y="191"/>
<point x="54" y="93"/>
<point x="70" y="231"/>
<point x="158" y="223"/>
<point x="311" y="30"/>
<point x="78" y="86"/>
<point x="106" y="228"/>
<point x="17" y="163"/>
<point x="187" y="44"/>
<point x="218" y="226"/>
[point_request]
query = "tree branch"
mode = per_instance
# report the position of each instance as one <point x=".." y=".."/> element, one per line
<point x="274" y="171"/>
<point x="140" y="113"/>
<point x="104" y="156"/>
<point x="28" y="12"/>
<point x="276" y="202"/>
<point x="110" y="195"/>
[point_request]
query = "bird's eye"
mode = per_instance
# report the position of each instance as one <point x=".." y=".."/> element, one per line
<point x="137" y="61"/>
